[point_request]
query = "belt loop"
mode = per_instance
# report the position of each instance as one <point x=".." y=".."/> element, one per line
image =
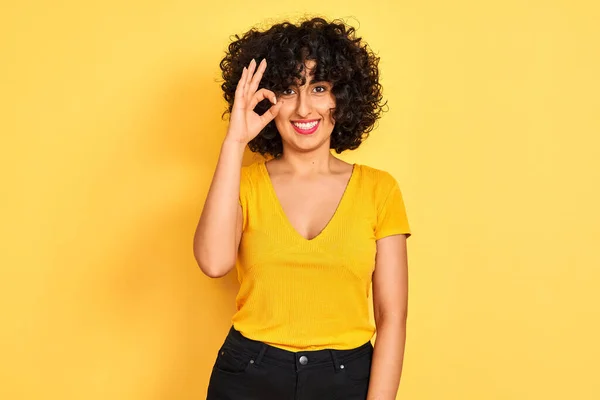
<point x="261" y="353"/>
<point x="336" y="362"/>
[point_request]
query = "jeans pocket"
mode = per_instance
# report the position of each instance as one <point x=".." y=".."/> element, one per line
<point x="358" y="369"/>
<point x="232" y="361"/>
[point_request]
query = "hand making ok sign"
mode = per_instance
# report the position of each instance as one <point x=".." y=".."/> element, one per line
<point x="244" y="123"/>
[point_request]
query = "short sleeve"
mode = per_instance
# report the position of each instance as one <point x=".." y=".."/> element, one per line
<point x="245" y="193"/>
<point x="391" y="212"/>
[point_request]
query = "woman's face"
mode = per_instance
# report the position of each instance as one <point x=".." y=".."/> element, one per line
<point x="305" y="120"/>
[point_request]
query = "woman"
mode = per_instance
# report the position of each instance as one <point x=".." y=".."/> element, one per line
<point x="308" y="231"/>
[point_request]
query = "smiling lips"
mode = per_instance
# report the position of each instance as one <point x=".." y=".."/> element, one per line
<point x="306" y="127"/>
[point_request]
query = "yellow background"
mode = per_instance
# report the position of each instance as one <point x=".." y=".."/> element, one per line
<point x="110" y="122"/>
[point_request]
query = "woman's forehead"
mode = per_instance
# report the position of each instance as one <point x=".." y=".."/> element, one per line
<point x="307" y="73"/>
<point x="310" y="65"/>
<point x="310" y="80"/>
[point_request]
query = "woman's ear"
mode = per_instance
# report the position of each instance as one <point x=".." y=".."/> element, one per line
<point x="331" y="113"/>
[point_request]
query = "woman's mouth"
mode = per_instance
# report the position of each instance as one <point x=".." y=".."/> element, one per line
<point x="306" y="127"/>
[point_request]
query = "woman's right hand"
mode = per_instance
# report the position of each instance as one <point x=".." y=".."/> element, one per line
<point x="244" y="123"/>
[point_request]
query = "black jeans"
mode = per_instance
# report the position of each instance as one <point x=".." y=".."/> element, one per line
<point x="247" y="369"/>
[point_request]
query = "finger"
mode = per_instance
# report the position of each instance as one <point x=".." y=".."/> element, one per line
<point x="260" y="96"/>
<point x="257" y="77"/>
<point x="250" y="74"/>
<point x="271" y="113"/>
<point x="239" y="90"/>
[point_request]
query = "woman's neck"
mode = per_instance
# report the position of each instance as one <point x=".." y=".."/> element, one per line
<point x="307" y="163"/>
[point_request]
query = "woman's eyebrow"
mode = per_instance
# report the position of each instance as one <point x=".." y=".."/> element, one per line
<point x="312" y="81"/>
<point x="309" y="83"/>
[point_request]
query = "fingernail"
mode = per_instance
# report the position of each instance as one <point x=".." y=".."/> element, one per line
<point x="274" y="100"/>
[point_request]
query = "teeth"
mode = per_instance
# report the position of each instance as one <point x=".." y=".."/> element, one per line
<point x="306" y="126"/>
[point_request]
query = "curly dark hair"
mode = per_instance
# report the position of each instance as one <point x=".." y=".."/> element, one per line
<point x="341" y="58"/>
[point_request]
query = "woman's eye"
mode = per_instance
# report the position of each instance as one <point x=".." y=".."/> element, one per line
<point x="320" y="89"/>
<point x="287" y="92"/>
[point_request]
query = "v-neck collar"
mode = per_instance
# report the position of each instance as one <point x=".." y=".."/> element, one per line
<point x="284" y="216"/>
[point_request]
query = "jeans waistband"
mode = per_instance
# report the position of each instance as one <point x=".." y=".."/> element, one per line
<point x="285" y="357"/>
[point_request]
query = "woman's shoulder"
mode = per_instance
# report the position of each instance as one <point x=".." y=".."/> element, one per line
<point x="252" y="169"/>
<point x="250" y="176"/>
<point x="375" y="176"/>
<point x="380" y="184"/>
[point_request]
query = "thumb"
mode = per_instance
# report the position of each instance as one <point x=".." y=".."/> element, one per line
<point x="271" y="113"/>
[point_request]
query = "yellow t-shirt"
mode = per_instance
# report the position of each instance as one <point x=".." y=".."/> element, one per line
<point x="299" y="294"/>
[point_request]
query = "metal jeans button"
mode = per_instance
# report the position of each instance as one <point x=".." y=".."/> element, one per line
<point x="303" y="360"/>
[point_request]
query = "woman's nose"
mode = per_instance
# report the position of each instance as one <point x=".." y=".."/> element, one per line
<point x="303" y="107"/>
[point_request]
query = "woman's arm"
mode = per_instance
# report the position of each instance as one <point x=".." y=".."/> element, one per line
<point x="219" y="230"/>
<point x="390" y="300"/>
